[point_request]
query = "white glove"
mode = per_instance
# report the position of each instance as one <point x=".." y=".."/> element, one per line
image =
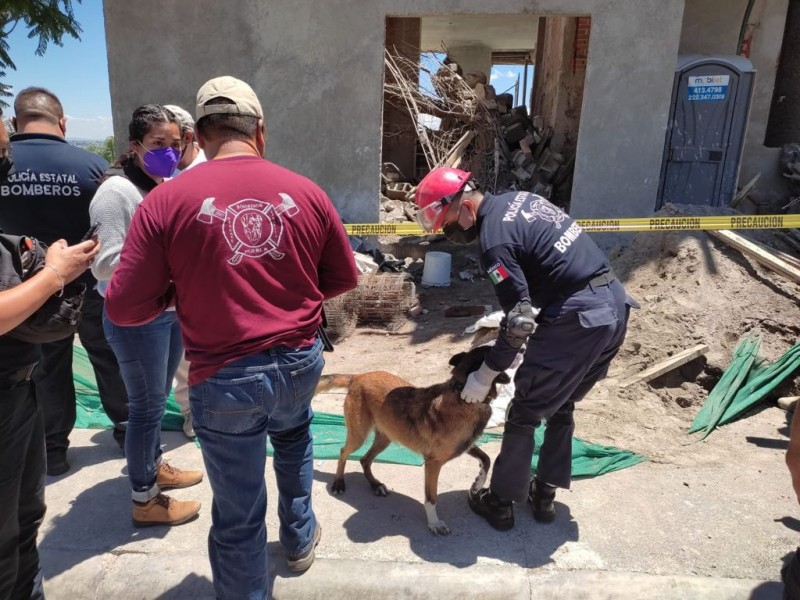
<point x="478" y="384"/>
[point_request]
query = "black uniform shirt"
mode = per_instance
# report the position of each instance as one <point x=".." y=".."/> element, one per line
<point x="48" y="196"/>
<point x="532" y="250"/>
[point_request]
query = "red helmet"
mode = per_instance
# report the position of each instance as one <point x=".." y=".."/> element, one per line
<point x="436" y="190"/>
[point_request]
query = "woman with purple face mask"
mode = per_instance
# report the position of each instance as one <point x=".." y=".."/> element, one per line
<point x="148" y="354"/>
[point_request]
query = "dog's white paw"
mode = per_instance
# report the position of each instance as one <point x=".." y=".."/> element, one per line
<point x="380" y="490"/>
<point x="439" y="528"/>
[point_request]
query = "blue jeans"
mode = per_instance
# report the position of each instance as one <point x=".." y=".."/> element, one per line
<point x="265" y="394"/>
<point x="148" y="356"/>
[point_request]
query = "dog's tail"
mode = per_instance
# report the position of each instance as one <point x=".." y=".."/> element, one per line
<point x="330" y="382"/>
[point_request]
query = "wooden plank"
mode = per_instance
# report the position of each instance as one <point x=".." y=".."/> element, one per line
<point x="789" y="240"/>
<point x="788" y="258"/>
<point x="665" y="366"/>
<point x="744" y="191"/>
<point x="767" y="259"/>
<point x="454" y="156"/>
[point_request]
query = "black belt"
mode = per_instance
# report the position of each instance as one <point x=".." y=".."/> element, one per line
<point x="601" y="280"/>
<point x="595" y="282"/>
<point x="16" y="377"/>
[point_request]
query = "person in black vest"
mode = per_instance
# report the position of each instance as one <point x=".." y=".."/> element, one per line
<point x="22" y="457"/>
<point x="48" y="198"/>
<point x="537" y="257"/>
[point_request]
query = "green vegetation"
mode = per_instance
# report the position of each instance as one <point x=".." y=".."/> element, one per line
<point x="49" y="20"/>
<point x="104" y="149"/>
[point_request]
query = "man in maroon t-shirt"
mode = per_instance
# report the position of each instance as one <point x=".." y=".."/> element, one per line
<point x="247" y="251"/>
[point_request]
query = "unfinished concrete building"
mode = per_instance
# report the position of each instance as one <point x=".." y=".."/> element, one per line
<point x="604" y="73"/>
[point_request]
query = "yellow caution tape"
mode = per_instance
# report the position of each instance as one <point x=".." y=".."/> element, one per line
<point x="619" y="225"/>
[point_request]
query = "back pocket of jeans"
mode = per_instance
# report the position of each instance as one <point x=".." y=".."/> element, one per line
<point x="233" y="405"/>
<point x="305" y="379"/>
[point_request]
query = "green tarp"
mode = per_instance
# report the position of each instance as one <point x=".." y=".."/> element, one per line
<point x="744" y="383"/>
<point x="329" y="432"/>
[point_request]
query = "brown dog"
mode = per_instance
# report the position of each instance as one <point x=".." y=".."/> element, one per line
<point x="434" y="422"/>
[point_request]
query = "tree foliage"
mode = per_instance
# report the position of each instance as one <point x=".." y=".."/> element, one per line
<point x="105" y="149"/>
<point x="47" y="20"/>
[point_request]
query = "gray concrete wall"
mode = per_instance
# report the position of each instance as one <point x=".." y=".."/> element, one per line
<point x="473" y="58"/>
<point x="712" y="27"/>
<point x="318" y="68"/>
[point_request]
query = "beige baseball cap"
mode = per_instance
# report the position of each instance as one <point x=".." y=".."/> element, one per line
<point x="245" y="101"/>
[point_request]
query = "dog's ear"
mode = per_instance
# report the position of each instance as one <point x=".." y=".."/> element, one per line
<point x="502" y="378"/>
<point x="456" y="359"/>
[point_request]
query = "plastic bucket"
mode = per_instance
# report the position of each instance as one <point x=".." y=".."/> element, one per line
<point x="436" y="272"/>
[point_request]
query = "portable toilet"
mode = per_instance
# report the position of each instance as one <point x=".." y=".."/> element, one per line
<point x="706" y="129"/>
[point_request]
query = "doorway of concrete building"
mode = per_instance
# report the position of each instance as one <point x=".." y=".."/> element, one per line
<point x="499" y="95"/>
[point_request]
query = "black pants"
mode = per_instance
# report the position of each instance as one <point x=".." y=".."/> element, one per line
<point x="55" y="388"/>
<point x="568" y="353"/>
<point x="22" y="469"/>
<point x="790" y="574"/>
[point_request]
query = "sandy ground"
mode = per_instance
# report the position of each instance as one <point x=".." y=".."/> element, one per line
<point x="693" y="289"/>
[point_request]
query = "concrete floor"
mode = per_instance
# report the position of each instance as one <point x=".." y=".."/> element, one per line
<point x="654" y="530"/>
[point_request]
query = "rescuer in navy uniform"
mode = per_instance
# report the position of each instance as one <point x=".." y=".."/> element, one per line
<point x="48" y="198"/>
<point x="537" y="257"/>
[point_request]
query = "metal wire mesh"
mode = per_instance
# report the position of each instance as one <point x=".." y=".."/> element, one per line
<point x="380" y="299"/>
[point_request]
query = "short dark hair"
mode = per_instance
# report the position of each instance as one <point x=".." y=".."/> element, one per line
<point x="227" y="126"/>
<point x="145" y="117"/>
<point x="38" y="104"/>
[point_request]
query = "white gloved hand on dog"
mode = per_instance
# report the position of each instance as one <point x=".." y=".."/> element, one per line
<point x="478" y="384"/>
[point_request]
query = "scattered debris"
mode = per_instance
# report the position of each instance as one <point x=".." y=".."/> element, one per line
<point x="365" y="263"/>
<point x="744" y="192"/>
<point x="667" y="365"/>
<point x="790" y="163"/>
<point x="759" y="254"/>
<point x="788" y="403"/>
<point x="461" y="122"/>
<point x="467" y="310"/>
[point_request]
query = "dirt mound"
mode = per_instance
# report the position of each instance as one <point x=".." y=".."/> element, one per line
<point x="693" y="289"/>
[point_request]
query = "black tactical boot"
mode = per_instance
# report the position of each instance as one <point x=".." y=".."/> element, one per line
<point x="498" y="512"/>
<point x="541" y="496"/>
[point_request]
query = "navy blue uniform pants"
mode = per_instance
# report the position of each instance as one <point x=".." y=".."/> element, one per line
<point x="567" y="354"/>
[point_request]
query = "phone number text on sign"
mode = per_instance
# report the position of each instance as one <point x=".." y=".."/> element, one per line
<point x="707" y="88"/>
<point x="693" y="97"/>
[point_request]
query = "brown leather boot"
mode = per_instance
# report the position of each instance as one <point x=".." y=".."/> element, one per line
<point x="163" y="510"/>
<point x="171" y="478"/>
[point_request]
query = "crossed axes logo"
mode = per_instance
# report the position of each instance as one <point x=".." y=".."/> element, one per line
<point x="252" y="228"/>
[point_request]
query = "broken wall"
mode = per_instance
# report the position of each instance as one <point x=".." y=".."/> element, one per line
<point x="476" y="57"/>
<point x="318" y="69"/>
<point x="560" y="73"/>
<point x="399" y="146"/>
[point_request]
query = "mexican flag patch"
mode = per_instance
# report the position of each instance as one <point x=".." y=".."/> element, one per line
<point x="497" y="273"/>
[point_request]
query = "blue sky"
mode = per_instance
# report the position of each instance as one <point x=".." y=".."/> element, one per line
<point x="77" y="72"/>
<point x="504" y="77"/>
